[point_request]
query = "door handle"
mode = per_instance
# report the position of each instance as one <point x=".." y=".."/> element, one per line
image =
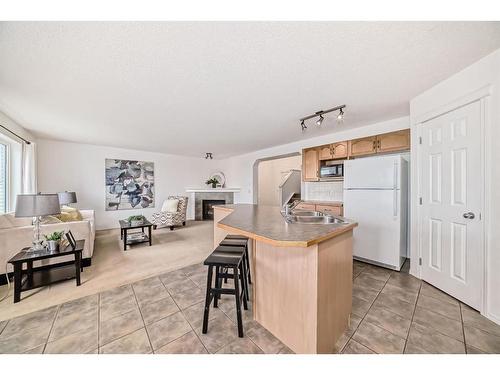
<point x="469" y="215"/>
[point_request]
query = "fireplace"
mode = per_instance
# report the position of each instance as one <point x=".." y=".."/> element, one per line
<point x="208" y="207"/>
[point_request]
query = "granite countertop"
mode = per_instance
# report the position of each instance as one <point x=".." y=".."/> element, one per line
<point x="267" y="224"/>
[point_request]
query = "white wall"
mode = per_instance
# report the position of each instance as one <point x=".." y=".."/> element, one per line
<point x="80" y="167"/>
<point x="481" y="78"/>
<point x="239" y="169"/>
<point x="270" y="177"/>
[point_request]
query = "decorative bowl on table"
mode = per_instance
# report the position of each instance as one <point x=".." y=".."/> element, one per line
<point x="136" y="220"/>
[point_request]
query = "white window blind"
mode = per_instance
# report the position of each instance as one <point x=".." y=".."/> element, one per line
<point x="3" y="178"/>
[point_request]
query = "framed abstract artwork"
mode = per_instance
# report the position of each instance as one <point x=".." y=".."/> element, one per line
<point x="129" y="184"/>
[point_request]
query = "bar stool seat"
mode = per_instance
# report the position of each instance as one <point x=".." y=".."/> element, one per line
<point x="225" y="257"/>
<point x="236" y="237"/>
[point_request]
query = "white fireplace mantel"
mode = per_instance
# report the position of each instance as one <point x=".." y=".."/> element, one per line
<point x="213" y="190"/>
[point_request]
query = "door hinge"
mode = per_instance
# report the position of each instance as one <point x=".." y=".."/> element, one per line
<point x="420" y="140"/>
<point x="420" y="200"/>
<point x="419" y="261"/>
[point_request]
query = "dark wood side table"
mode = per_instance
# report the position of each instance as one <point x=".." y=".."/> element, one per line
<point x="29" y="278"/>
<point x="125" y="226"/>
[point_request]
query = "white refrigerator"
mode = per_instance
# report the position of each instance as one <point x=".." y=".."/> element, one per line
<point x="376" y="196"/>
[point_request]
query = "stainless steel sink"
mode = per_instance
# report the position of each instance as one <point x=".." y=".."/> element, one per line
<point x="307" y="213"/>
<point x="313" y="217"/>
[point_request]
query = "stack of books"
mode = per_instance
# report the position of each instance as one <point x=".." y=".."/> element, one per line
<point x="136" y="236"/>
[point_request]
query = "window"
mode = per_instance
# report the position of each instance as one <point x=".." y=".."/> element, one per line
<point x="3" y="178"/>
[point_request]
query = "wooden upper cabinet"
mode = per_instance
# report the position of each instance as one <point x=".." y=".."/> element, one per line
<point x="310" y="165"/>
<point x="363" y="146"/>
<point x="325" y="152"/>
<point x="394" y="141"/>
<point x="339" y="150"/>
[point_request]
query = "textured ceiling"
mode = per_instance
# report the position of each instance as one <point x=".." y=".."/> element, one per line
<point x="227" y="88"/>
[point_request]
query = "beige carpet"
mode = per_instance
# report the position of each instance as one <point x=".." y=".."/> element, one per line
<point x="112" y="267"/>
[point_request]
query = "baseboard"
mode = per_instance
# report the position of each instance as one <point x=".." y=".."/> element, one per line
<point x="86" y="262"/>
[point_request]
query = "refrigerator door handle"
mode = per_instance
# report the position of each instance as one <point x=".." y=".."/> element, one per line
<point x="395" y="202"/>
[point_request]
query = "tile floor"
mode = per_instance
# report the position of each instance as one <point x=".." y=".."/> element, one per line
<point x="392" y="313"/>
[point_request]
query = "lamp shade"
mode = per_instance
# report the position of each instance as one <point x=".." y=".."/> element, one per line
<point x="67" y="197"/>
<point x="31" y="205"/>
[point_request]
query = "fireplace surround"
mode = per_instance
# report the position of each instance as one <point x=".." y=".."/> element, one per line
<point x="199" y="197"/>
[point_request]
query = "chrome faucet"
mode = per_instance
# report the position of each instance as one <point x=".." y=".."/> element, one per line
<point x="288" y="207"/>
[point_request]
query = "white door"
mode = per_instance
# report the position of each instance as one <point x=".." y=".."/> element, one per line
<point x="451" y="183"/>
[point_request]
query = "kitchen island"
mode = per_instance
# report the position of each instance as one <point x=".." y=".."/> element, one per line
<point x="302" y="274"/>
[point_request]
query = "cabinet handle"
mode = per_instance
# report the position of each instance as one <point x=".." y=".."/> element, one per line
<point x="378" y="144"/>
<point x="374" y="145"/>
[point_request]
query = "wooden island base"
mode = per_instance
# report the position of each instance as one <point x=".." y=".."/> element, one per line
<point x="302" y="295"/>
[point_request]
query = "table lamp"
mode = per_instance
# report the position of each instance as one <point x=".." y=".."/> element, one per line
<point x="35" y="206"/>
<point x="67" y="197"/>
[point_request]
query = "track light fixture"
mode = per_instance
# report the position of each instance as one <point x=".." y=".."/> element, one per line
<point x="319" y="114"/>
<point x="319" y="120"/>
<point x="303" y="125"/>
<point x="209" y="155"/>
<point x="340" y="116"/>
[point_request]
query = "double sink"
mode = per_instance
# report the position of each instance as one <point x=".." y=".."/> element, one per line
<point x="312" y="217"/>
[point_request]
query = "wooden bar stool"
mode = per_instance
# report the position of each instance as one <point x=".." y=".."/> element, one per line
<point x="240" y="250"/>
<point x="225" y="257"/>
<point x="237" y="240"/>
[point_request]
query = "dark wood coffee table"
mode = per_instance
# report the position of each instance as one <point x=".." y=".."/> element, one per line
<point x="35" y="278"/>
<point x="125" y="226"/>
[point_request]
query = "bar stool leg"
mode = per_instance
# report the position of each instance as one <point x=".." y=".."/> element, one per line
<point x="243" y="278"/>
<point x="207" y="300"/>
<point x="217" y="285"/>
<point x="238" y="305"/>
<point x="248" y="265"/>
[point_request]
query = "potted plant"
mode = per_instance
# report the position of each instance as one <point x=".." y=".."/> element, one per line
<point x="53" y="240"/>
<point x="213" y="181"/>
<point x="136" y="220"/>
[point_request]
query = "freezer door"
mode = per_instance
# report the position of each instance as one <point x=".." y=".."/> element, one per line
<point x="381" y="172"/>
<point x="378" y="235"/>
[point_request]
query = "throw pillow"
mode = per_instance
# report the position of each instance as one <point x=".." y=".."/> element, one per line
<point x="170" y="205"/>
<point x="69" y="214"/>
<point x="50" y="219"/>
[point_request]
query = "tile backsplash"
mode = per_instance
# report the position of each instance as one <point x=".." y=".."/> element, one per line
<point x="324" y="191"/>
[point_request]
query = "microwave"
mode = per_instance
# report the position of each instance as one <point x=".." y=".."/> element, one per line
<point x="332" y="171"/>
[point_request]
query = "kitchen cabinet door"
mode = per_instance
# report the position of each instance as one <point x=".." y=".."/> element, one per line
<point x="310" y="165"/>
<point x="395" y="141"/>
<point x="325" y="153"/>
<point x="363" y="146"/>
<point x="306" y="206"/>
<point x="339" y="150"/>
<point x="327" y="209"/>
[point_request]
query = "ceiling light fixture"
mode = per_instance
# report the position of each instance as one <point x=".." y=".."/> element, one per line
<point x="209" y="155"/>
<point x="319" y="114"/>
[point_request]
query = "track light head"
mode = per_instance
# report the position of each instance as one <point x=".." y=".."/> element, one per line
<point x="303" y="125"/>
<point x="340" y="117"/>
<point x="320" y="120"/>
